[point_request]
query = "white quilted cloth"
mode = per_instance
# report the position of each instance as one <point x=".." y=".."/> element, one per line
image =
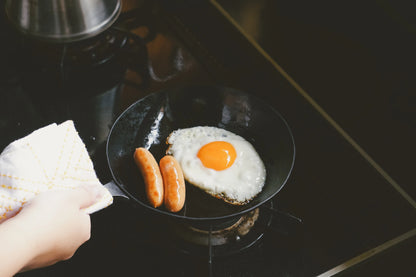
<point x="51" y="158"/>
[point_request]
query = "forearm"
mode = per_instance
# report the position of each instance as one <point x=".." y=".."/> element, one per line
<point x="49" y="229"/>
<point x="15" y="247"/>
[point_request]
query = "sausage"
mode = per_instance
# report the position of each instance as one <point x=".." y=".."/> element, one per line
<point x="151" y="175"/>
<point x="174" y="183"/>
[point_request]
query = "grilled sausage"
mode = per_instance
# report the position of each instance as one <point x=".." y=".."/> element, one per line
<point x="151" y="175"/>
<point x="174" y="183"/>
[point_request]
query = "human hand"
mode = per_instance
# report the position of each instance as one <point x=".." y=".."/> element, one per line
<point x="49" y="228"/>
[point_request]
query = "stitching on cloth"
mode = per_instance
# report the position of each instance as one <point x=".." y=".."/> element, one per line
<point x="82" y="180"/>
<point x="65" y="187"/>
<point x="70" y="157"/>
<point x="7" y="208"/>
<point x="14" y="199"/>
<point x="83" y="168"/>
<point x="3" y="215"/>
<point x="18" y="188"/>
<point x="87" y="159"/>
<point x="38" y="160"/>
<point x="23" y="179"/>
<point x="81" y="156"/>
<point x="51" y="184"/>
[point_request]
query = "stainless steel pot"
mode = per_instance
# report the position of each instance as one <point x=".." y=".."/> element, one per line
<point x="62" y="20"/>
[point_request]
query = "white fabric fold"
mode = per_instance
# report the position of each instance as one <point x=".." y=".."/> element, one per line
<point x="51" y="158"/>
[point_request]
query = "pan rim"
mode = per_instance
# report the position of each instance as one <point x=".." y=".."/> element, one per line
<point x="192" y="218"/>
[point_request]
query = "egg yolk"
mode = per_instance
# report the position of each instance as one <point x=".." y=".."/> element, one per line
<point x="218" y="155"/>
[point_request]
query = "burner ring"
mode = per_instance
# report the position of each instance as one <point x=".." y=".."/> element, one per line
<point x="220" y="236"/>
<point x="238" y="236"/>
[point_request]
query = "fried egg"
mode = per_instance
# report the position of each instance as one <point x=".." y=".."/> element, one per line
<point x="219" y="162"/>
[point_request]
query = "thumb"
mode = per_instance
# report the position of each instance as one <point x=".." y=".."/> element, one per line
<point x="87" y="195"/>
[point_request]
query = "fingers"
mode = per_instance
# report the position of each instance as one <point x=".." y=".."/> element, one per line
<point x="86" y="195"/>
<point x="84" y="230"/>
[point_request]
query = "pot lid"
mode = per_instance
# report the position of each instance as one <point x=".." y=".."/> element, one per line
<point x="60" y="20"/>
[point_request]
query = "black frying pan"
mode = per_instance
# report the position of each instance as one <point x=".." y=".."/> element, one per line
<point x="149" y="121"/>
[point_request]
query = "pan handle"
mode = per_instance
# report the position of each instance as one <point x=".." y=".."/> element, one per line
<point x="115" y="190"/>
<point x="284" y="222"/>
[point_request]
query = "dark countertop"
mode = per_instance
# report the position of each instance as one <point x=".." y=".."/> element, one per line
<point x="352" y="61"/>
<point x="355" y="221"/>
<point x="356" y="60"/>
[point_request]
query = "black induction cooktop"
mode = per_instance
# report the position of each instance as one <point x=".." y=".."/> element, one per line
<point x="342" y="85"/>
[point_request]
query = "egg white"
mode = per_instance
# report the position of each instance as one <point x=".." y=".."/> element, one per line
<point x="237" y="184"/>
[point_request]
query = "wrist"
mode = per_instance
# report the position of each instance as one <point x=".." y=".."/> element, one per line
<point x="17" y="247"/>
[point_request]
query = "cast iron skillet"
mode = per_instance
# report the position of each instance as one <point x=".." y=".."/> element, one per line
<point x="149" y="121"/>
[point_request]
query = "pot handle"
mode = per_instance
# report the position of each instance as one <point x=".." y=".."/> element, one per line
<point x="115" y="190"/>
